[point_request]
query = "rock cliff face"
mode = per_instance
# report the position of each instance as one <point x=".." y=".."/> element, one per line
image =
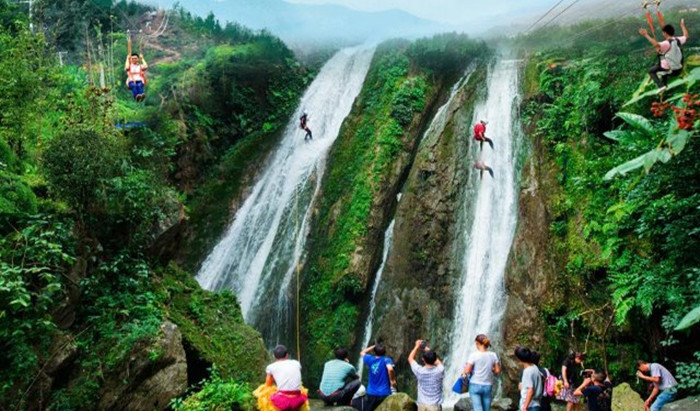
<point x="151" y="377"/>
<point x="366" y="169"/>
<point x="414" y="298"/>
<point x="532" y="266"/>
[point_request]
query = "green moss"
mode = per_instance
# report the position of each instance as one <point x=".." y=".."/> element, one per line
<point x="212" y="325"/>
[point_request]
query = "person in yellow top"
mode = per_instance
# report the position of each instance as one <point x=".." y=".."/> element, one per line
<point x="135" y="67"/>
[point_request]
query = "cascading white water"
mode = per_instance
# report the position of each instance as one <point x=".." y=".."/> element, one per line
<point x="437" y="126"/>
<point x="488" y="224"/>
<point x="259" y="253"/>
<point x="388" y="238"/>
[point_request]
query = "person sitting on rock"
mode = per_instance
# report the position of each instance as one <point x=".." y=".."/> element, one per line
<point x="339" y="381"/>
<point x="381" y="382"/>
<point x="598" y="391"/>
<point x="285" y="373"/>
<point x="665" y="385"/>
<point x="429" y="377"/>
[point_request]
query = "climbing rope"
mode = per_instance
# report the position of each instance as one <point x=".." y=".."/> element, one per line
<point x="298" y="272"/>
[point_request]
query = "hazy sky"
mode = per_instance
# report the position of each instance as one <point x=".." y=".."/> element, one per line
<point x="449" y="11"/>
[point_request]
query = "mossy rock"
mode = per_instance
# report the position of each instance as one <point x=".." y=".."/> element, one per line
<point x="213" y="330"/>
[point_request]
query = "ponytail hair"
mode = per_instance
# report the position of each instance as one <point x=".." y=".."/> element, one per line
<point x="483" y="340"/>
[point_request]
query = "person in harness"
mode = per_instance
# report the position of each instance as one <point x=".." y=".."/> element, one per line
<point x="481" y="166"/>
<point x="303" y="124"/>
<point x="135" y="67"/>
<point x="480" y="134"/>
<point x="670" y="52"/>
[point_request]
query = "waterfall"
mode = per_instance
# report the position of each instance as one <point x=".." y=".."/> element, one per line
<point x="388" y="237"/>
<point x="437" y="126"/>
<point x="487" y="223"/>
<point x="258" y="256"/>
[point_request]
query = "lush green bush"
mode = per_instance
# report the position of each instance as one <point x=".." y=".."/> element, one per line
<point x="218" y="394"/>
<point x="628" y="243"/>
<point x="34" y="258"/>
<point x="15" y="196"/>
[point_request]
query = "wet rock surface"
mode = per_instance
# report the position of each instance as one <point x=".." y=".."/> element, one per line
<point x="531" y="269"/>
<point x="686" y="404"/>
<point x="152" y="375"/>
<point x="415" y="298"/>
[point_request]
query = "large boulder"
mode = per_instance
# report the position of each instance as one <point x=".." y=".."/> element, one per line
<point x="152" y="375"/>
<point x="498" y="404"/>
<point x="398" y="402"/>
<point x="686" y="404"/>
<point x="626" y="399"/>
<point x="318" y="405"/>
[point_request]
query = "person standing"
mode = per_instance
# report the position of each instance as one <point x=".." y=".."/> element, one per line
<point x="665" y="385"/>
<point x="532" y="382"/>
<point x="482" y="365"/>
<point x="286" y="374"/>
<point x="429" y="377"/>
<point x="569" y="375"/>
<point x="598" y="391"/>
<point x="339" y="381"/>
<point x="381" y="381"/>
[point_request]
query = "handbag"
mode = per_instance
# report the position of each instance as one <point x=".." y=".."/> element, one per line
<point x="461" y="385"/>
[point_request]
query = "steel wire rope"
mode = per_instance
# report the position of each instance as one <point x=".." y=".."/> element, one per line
<point x="544" y="15"/>
<point x="599" y="26"/>
<point x="560" y="13"/>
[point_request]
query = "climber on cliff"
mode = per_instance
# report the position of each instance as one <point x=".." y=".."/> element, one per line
<point x="481" y="166"/>
<point x="480" y="134"/>
<point x="670" y="52"/>
<point x="304" y="125"/>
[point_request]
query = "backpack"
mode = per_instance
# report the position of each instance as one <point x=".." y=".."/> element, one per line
<point x="550" y="385"/>
<point x="674" y="55"/>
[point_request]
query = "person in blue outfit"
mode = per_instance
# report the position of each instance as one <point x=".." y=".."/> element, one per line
<point x="382" y="380"/>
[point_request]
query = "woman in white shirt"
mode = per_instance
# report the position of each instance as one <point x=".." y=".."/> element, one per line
<point x="482" y="365"/>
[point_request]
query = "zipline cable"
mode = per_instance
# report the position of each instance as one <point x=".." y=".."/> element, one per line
<point x="560" y="13"/>
<point x="544" y="15"/>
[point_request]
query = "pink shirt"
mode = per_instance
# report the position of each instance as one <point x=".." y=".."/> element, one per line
<point x="135" y="72"/>
<point x="665" y="47"/>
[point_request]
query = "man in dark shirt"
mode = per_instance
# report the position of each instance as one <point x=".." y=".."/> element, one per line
<point x="598" y="392"/>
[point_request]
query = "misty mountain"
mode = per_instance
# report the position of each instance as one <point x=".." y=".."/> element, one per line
<point x="302" y="23"/>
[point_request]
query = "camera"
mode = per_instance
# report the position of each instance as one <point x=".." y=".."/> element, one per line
<point x="423" y="344"/>
<point x="587" y="373"/>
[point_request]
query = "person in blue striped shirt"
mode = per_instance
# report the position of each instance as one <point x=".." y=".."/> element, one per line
<point x="339" y="381"/>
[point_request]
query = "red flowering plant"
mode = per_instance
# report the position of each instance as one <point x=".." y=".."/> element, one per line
<point x="682" y="125"/>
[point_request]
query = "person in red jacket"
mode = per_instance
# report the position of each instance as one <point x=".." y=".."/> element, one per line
<point x="480" y="134"/>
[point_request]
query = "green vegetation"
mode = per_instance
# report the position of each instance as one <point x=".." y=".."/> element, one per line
<point x="91" y="182"/>
<point x="213" y="327"/>
<point x="626" y="245"/>
<point x="362" y="178"/>
<point x="217" y="394"/>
